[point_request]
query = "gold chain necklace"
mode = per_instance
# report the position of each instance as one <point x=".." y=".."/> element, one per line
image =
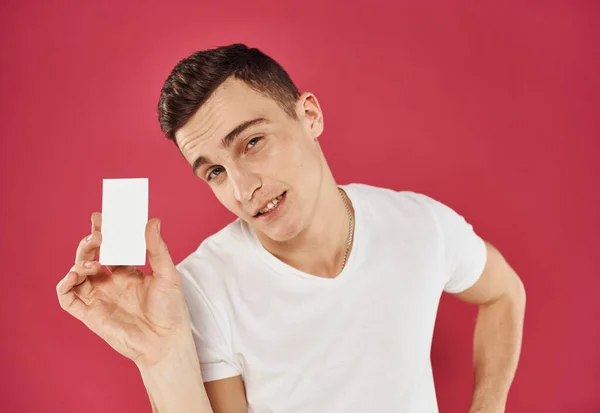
<point x="351" y="231"/>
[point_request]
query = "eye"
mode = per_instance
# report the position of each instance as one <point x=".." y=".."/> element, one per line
<point x="252" y="142"/>
<point x="215" y="172"/>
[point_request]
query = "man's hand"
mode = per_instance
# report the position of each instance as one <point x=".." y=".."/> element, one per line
<point x="139" y="315"/>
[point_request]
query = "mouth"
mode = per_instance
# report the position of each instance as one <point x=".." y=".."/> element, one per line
<point x="271" y="207"/>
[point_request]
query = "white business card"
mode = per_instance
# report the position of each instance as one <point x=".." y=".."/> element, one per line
<point x="124" y="218"/>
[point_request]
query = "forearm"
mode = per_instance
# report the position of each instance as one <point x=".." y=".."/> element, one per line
<point x="496" y="349"/>
<point x="174" y="385"/>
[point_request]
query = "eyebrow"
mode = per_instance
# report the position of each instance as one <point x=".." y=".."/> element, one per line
<point x="228" y="139"/>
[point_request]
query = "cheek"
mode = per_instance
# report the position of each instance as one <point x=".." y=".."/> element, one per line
<point x="305" y="161"/>
<point x="295" y="155"/>
<point x="225" y="196"/>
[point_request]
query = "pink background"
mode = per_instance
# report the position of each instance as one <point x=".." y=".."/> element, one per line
<point x="490" y="108"/>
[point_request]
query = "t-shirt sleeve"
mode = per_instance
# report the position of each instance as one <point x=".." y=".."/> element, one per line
<point x="209" y="330"/>
<point x="463" y="251"/>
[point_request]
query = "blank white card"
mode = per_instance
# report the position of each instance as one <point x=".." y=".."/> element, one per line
<point x="124" y="218"/>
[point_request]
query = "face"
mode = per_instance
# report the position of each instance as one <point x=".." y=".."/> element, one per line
<point x="262" y="165"/>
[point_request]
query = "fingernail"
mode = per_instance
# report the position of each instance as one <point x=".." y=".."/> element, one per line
<point x="89" y="237"/>
<point x="88" y="264"/>
<point x="159" y="227"/>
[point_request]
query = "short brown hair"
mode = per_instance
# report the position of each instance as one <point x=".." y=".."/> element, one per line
<point x="195" y="78"/>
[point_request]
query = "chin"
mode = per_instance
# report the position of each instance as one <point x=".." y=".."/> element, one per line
<point x="282" y="233"/>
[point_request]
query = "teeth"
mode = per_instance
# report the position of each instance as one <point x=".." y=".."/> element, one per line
<point x="271" y="205"/>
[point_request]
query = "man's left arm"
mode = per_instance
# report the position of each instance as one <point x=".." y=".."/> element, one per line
<point x="500" y="295"/>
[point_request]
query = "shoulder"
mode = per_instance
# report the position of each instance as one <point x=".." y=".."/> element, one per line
<point x="381" y="201"/>
<point x="208" y="269"/>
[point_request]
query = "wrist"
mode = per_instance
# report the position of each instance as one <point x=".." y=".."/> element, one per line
<point x="179" y="350"/>
<point x="174" y="383"/>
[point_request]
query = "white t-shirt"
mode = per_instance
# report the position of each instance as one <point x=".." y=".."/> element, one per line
<point x="360" y="342"/>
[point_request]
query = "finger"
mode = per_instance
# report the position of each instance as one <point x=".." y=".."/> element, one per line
<point x="158" y="254"/>
<point x="83" y="286"/>
<point x="96" y="221"/>
<point x="88" y="247"/>
<point x="67" y="298"/>
<point x="97" y="226"/>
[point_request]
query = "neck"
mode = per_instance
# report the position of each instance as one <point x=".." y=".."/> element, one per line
<point x="320" y="248"/>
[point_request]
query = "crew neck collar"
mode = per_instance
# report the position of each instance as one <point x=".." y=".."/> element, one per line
<point x="286" y="270"/>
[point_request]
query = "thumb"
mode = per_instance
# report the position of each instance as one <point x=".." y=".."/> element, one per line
<point x="158" y="254"/>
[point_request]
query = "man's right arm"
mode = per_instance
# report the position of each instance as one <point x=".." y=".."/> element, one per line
<point x="174" y="385"/>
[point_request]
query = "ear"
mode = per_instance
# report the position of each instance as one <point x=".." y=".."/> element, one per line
<point x="310" y="114"/>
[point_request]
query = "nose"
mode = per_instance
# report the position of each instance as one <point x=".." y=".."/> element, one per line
<point x="244" y="183"/>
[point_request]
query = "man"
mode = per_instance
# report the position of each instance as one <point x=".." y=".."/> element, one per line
<point x="319" y="297"/>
